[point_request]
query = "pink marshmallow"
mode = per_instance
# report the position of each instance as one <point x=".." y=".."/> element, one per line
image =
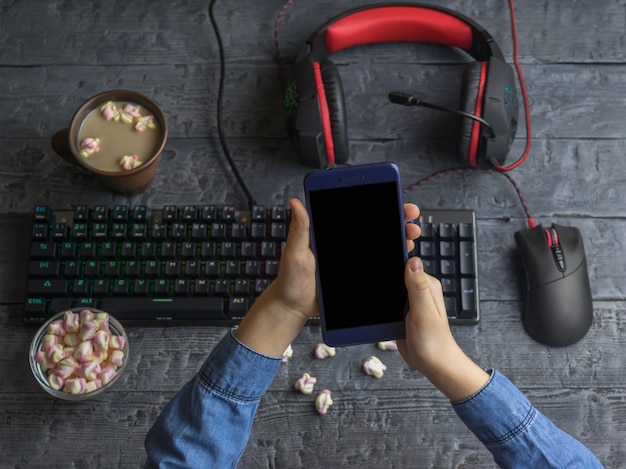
<point x="65" y="368"/>
<point x="42" y="359"/>
<point x="101" y="341"/>
<point x="146" y="122"/>
<point x="75" y="385"/>
<point x="86" y="315"/>
<point x="56" y="353"/>
<point x="71" y="339"/>
<point x="90" y="371"/>
<point x="110" y="111"/>
<point x="323" y="401"/>
<point x="108" y="373"/>
<point x="55" y="381"/>
<point x="84" y="351"/>
<point x="91" y="386"/>
<point x="103" y="321"/>
<point x="48" y="341"/>
<point x="116" y="358"/>
<point x="71" y="321"/>
<point x="88" y="330"/>
<point x="117" y="342"/>
<point x="56" y="328"/>
<point x="305" y="384"/>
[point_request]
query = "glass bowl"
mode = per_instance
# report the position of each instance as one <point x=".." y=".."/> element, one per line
<point x="75" y="356"/>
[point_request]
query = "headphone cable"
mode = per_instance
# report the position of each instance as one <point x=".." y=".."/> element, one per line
<point x="220" y="96"/>
<point x="522" y="84"/>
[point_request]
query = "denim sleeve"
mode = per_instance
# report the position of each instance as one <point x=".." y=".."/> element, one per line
<point x="516" y="433"/>
<point x="208" y="422"/>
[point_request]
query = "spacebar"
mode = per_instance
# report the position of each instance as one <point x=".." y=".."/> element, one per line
<point x="150" y="309"/>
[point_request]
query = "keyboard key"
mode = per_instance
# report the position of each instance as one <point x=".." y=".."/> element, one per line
<point x="46" y="287"/>
<point x="165" y="309"/>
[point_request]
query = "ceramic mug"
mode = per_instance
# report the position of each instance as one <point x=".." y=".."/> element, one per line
<point x="126" y="182"/>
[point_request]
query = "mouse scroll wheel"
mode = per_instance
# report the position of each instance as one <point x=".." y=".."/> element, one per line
<point x="555" y="246"/>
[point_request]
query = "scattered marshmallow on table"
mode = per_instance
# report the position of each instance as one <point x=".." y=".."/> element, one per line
<point x="305" y="384"/>
<point x="79" y="353"/>
<point x="323" y="351"/>
<point x="287" y="354"/>
<point x="323" y="401"/>
<point x="388" y="345"/>
<point x="374" y="367"/>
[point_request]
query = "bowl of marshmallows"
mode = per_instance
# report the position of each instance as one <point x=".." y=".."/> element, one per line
<point x="79" y="353"/>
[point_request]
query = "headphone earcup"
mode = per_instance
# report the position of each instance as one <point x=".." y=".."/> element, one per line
<point x="336" y="110"/>
<point x="473" y="83"/>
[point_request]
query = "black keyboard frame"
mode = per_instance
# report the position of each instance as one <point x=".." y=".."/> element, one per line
<point x="62" y="225"/>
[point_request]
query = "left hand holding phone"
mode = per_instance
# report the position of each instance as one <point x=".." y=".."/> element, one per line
<point x="278" y="315"/>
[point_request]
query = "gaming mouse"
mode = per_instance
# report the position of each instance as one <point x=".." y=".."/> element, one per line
<point x="558" y="307"/>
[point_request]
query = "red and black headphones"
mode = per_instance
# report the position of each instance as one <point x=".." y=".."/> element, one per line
<point x="315" y="102"/>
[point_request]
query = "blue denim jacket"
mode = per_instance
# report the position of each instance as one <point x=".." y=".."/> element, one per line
<point x="207" y="423"/>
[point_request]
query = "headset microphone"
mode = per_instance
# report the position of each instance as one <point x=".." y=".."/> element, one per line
<point x="407" y="99"/>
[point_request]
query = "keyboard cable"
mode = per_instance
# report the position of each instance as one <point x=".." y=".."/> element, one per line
<point x="220" y="99"/>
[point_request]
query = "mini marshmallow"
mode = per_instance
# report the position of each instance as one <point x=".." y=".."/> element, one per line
<point x="65" y="367"/>
<point x="108" y="373"/>
<point x="287" y="354"/>
<point x="84" y="351"/>
<point x="116" y="358"/>
<point x="86" y="315"/>
<point x="56" y="328"/>
<point x="388" y="345"/>
<point x="103" y="321"/>
<point x="117" y="342"/>
<point x="88" y="330"/>
<point x="305" y="384"/>
<point x="129" y="162"/>
<point x="101" y="341"/>
<point x="90" y="371"/>
<point x="49" y="340"/>
<point x="322" y="351"/>
<point x="145" y="122"/>
<point x="99" y="357"/>
<point x="89" y="146"/>
<point x="71" y="321"/>
<point x="323" y="401"/>
<point x="56" y="353"/>
<point x="91" y="386"/>
<point x="110" y="111"/>
<point x="374" y="367"/>
<point x="55" y="381"/>
<point x="75" y="385"/>
<point x="129" y="113"/>
<point x="42" y="359"/>
<point x="71" y="339"/>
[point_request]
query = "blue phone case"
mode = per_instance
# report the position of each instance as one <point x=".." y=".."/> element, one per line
<point x="359" y="241"/>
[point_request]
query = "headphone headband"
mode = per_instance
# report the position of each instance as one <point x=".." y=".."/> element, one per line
<point x="403" y="22"/>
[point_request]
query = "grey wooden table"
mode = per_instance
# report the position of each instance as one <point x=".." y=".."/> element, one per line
<point x="56" y="54"/>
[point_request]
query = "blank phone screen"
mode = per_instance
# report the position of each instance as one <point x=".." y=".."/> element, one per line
<point x="360" y="254"/>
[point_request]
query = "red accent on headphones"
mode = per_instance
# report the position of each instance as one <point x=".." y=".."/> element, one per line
<point x="321" y="92"/>
<point x="478" y="111"/>
<point x="398" y="24"/>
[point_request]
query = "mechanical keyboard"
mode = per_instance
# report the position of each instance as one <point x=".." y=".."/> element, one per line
<point x="203" y="264"/>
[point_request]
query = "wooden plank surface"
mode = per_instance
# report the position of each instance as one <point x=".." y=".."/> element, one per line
<point x="55" y="54"/>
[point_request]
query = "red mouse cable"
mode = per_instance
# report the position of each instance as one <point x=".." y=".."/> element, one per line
<point x="446" y="172"/>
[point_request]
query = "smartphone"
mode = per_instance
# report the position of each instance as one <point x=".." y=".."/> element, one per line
<point x="359" y="241"/>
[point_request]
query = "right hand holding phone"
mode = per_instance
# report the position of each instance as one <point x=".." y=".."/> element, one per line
<point x="430" y="347"/>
